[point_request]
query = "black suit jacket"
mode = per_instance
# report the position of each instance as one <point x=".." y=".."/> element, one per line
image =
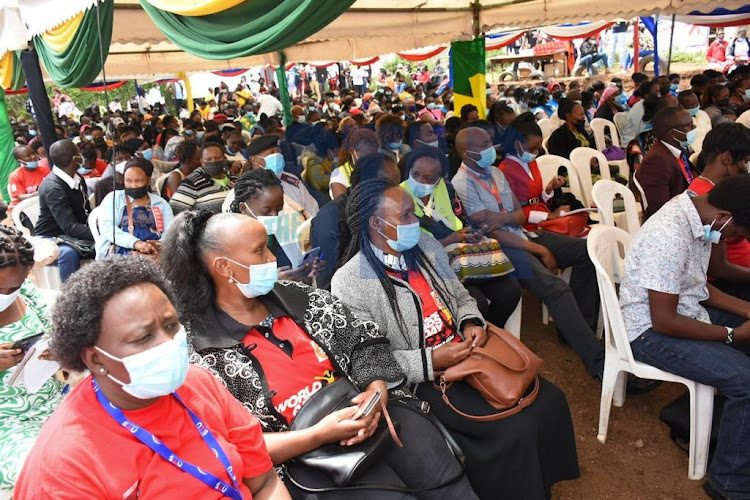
<point x="63" y="210"/>
<point x="661" y="177"/>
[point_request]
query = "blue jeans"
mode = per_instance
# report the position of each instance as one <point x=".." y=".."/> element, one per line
<point x="728" y="369"/>
<point x="68" y="261"/>
<point x="629" y="58"/>
<point x="589" y="61"/>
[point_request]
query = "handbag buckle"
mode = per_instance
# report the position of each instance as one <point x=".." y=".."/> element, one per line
<point x="425" y="407"/>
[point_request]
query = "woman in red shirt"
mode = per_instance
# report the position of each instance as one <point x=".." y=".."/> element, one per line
<point x="145" y="424"/>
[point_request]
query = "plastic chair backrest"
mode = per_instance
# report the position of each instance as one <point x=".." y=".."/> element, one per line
<point x="94" y="223"/>
<point x="621" y="121"/>
<point x="603" y="194"/>
<point x="160" y="183"/>
<point x="581" y="160"/>
<point x="30" y="207"/>
<point x="548" y="165"/>
<point x="547" y="127"/>
<point x="644" y="201"/>
<point x="744" y="118"/>
<point x="604" y="244"/>
<point x="599" y="127"/>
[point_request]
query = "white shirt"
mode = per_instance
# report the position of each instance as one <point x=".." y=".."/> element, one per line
<point x="675" y="151"/>
<point x="269" y="105"/>
<point x="72" y="182"/>
<point x="669" y="255"/>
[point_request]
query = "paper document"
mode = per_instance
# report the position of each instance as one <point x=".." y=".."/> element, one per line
<point x="33" y="372"/>
<point x="578" y="211"/>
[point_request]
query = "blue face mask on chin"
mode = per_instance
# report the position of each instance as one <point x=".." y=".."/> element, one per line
<point x="694" y="111"/>
<point x="712" y="235"/>
<point x="419" y="189"/>
<point x="689" y="138"/>
<point x="84" y="171"/>
<point x="407" y="236"/>
<point x="487" y="158"/>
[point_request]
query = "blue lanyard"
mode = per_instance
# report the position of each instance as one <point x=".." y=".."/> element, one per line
<point x="157" y="446"/>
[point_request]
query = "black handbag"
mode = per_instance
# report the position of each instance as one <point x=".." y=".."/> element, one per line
<point x="342" y="463"/>
<point x="84" y="248"/>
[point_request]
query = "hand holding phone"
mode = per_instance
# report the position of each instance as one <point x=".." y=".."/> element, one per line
<point x="26" y="343"/>
<point x="365" y="407"/>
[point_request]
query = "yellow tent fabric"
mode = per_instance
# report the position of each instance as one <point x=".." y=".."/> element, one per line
<point x="59" y="38"/>
<point x="194" y="7"/>
<point x="6" y="70"/>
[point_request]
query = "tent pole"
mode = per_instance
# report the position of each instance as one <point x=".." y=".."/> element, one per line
<point x="657" y="69"/>
<point x="636" y="44"/>
<point x="38" y="95"/>
<point x="188" y="91"/>
<point x="671" y="39"/>
<point x="475" y="21"/>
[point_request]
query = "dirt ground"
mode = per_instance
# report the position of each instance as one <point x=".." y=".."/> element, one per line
<point x="639" y="461"/>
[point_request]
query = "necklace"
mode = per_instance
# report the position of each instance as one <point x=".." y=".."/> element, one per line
<point x="707" y="180"/>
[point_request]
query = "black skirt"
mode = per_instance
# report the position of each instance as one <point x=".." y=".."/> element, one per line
<point x="518" y="457"/>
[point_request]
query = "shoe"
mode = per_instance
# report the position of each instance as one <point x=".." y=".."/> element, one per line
<point x="637" y="385"/>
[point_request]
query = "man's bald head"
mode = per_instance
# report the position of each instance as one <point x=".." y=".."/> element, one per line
<point x="62" y="153"/>
<point x="23" y="153"/>
<point x="470" y="142"/>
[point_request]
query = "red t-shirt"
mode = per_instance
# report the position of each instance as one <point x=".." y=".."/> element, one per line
<point x="82" y="452"/>
<point x="436" y="318"/>
<point x="294" y="365"/>
<point x="737" y="252"/>
<point x="23" y="181"/>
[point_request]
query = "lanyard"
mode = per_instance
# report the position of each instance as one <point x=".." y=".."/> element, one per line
<point x="492" y="190"/>
<point x="157" y="446"/>
<point x="685" y="165"/>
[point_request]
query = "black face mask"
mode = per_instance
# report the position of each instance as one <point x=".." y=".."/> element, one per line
<point x="580" y="124"/>
<point x="214" y="168"/>
<point x="136" y="193"/>
<point x="723" y="102"/>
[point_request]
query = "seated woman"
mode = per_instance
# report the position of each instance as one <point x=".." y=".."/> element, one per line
<point x="141" y="217"/>
<point x="611" y="102"/>
<point x="400" y="279"/>
<point x="714" y="102"/>
<point x="318" y="162"/>
<point x="24" y="314"/>
<point x="540" y="103"/>
<point x="572" y="133"/>
<point x="440" y="214"/>
<point x="358" y="143"/>
<point x="390" y="132"/>
<point x="188" y="154"/>
<point x="270" y="342"/>
<point x="259" y="194"/>
<point x="328" y="227"/>
<point x="144" y="423"/>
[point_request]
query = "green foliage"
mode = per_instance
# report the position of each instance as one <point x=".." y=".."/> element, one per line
<point x="83" y="98"/>
<point x="684" y="56"/>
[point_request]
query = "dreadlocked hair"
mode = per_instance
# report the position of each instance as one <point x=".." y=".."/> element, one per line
<point x="14" y="248"/>
<point x="251" y="184"/>
<point x="364" y="201"/>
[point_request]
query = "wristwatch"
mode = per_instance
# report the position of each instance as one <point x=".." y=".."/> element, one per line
<point x="730" y="335"/>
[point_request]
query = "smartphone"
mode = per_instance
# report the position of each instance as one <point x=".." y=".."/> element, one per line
<point x="25" y="344"/>
<point x="309" y="256"/>
<point x="365" y="407"/>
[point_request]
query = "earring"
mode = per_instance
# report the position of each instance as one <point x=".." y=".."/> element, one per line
<point x="102" y="370"/>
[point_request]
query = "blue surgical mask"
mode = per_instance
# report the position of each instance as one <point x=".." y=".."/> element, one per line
<point x="434" y="144"/>
<point x="747" y="94"/>
<point x="147" y="154"/>
<point x="488" y="157"/>
<point x="430" y="105"/>
<point x="407" y="236"/>
<point x="393" y="146"/>
<point x="712" y="235"/>
<point x="689" y="138"/>
<point x="275" y="163"/>
<point x="157" y="371"/>
<point x="31" y="165"/>
<point x="694" y="111"/>
<point x="263" y="277"/>
<point x="32" y="133"/>
<point x="200" y="134"/>
<point x="527" y="157"/>
<point x="271" y="222"/>
<point x="188" y="132"/>
<point x="674" y="87"/>
<point x="84" y="171"/>
<point x="418" y="189"/>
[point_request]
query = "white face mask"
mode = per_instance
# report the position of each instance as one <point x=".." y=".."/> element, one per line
<point x="155" y="372"/>
<point x="7" y="300"/>
<point x="270" y="222"/>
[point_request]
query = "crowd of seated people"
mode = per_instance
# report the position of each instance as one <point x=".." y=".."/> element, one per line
<point x="264" y="263"/>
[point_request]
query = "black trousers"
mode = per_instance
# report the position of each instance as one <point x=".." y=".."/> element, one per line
<point x="735" y="289"/>
<point x="496" y="298"/>
<point x="423" y="462"/>
<point x="574" y="306"/>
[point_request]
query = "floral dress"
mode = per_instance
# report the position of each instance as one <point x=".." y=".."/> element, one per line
<point x="22" y="414"/>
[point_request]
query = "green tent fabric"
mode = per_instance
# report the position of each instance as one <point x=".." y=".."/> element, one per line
<point x="283" y="89"/>
<point x="7" y="163"/>
<point x="468" y="68"/>
<point x="18" y="77"/>
<point x="253" y="27"/>
<point x="79" y="64"/>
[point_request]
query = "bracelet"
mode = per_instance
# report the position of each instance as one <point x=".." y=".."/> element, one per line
<point x="730" y="335"/>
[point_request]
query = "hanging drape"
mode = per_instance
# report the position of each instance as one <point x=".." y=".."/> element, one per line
<point x="194" y="7"/>
<point x="251" y="27"/>
<point x="11" y="75"/>
<point x="495" y="42"/>
<point x="420" y="55"/>
<point x="70" y="52"/>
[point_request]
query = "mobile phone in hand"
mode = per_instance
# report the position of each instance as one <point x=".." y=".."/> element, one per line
<point x="25" y="344"/>
<point x="365" y="407"/>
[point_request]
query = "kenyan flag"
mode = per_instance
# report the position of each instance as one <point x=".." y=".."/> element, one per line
<point x="467" y="75"/>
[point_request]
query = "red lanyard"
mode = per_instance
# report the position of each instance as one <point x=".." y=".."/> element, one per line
<point x="490" y="189"/>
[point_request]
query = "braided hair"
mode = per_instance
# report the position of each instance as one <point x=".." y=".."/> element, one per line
<point x="364" y="201"/>
<point x="251" y="184"/>
<point x="14" y="248"/>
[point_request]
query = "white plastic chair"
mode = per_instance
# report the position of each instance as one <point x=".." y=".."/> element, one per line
<point x="644" y="201"/>
<point x="30" y="207"/>
<point x="547" y="127"/>
<point x="581" y="160"/>
<point x="45" y="273"/>
<point x="603" y="194"/>
<point x="513" y="323"/>
<point x="621" y="121"/>
<point x="160" y="182"/>
<point x="600" y="127"/>
<point x="603" y="242"/>
<point x="93" y="221"/>
<point x="548" y="165"/>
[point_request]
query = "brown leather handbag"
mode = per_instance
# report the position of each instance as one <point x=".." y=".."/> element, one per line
<point x="503" y="371"/>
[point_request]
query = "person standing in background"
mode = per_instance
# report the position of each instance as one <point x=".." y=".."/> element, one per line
<point x="618" y="44"/>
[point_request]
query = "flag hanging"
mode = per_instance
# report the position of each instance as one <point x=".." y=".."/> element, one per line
<point x="468" y="70"/>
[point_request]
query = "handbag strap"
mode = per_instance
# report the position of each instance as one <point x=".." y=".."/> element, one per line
<point x="522" y="403"/>
<point x="391" y="427"/>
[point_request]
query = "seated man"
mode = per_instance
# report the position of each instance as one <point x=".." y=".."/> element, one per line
<point x="64" y="205"/>
<point x="679" y="323"/>
<point x="207" y="187"/>
<point x="666" y="170"/>
<point x="488" y="200"/>
<point x="24" y="181"/>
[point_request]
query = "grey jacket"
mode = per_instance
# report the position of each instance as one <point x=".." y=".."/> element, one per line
<point x="358" y="287"/>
